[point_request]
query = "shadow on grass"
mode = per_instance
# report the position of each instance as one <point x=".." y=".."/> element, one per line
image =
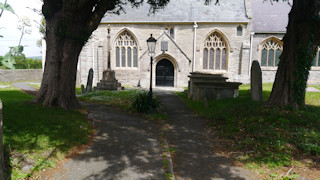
<point x="266" y="136"/>
<point x="35" y="130"/>
<point x="194" y="157"/>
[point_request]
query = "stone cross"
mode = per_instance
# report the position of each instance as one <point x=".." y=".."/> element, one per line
<point x="90" y="80"/>
<point x="256" y="81"/>
<point x="1" y="144"/>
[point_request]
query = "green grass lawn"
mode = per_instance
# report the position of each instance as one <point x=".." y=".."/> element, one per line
<point x="121" y="99"/>
<point x="37" y="135"/>
<point x="264" y="137"/>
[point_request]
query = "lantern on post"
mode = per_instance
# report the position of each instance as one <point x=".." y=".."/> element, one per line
<point x="151" y="42"/>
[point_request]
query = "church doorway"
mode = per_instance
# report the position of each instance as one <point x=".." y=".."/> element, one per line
<point x="164" y="73"/>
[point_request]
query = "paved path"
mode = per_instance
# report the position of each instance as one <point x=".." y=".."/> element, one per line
<point x="125" y="147"/>
<point x="24" y="86"/>
<point x="194" y="157"/>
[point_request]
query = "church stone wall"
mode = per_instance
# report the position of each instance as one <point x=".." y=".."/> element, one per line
<point x="95" y="52"/>
<point x="268" y="74"/>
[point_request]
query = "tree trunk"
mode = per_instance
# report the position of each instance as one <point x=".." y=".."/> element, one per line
<point x="59" y="77"/>
<point x="300" y="42"/>
<point x="69" y="24"/>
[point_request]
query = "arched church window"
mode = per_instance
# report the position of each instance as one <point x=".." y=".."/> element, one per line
<point x="171" y="31"/>
<point x="239" y="30"/>
<point x="215" y="52"/>
<point x="316" y="60"/>
<point x="270" y="51"/>
<point x="126" y="51"/>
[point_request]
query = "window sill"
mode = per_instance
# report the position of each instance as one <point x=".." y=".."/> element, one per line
<point x="212" y="71"/>
<point x="315" y="68"/>
<point x="125" y="68"/>
<point x="269" y="68"/>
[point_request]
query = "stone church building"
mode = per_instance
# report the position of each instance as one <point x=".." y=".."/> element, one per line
<point x="191" y="37"/>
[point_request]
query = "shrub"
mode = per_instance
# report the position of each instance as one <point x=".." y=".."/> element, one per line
<point x="142" y="104"/>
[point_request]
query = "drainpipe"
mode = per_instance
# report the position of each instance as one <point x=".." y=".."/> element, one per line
<point x="93" y="54"/>
<point x="93" y="60"/>
<point x="195" y="25"/>
<point x="250" y="55"/>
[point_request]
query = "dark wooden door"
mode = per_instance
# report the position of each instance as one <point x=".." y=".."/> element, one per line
<point x="164" y="73"/>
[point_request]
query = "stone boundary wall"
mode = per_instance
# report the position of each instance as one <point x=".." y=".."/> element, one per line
<point x="269" y="76"/>
<point x="8" y="75"/>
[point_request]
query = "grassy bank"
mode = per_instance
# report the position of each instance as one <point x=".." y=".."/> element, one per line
<point x="34" y="136"/>
<point x="265" y="139"/>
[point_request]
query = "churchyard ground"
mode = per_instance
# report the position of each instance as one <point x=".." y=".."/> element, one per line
<point x="272" y="142"/>
<point x="275" y="143"/>
<point x="36" y="137"/>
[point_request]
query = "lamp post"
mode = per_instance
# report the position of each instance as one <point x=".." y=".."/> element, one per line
<point x="151" y="42"/>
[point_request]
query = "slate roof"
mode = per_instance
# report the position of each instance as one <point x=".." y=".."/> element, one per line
<point x="269" y="18"/>
<point x="184" y="11"/>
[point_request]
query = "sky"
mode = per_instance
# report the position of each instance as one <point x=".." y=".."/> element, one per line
<point x="10" y="33"/>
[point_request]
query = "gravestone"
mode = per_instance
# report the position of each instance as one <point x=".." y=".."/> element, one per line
<point x="1" y="145"/>
<point x="256" y="81"/>
<point x="83" y="91"/>
<point x="90" y="80"/>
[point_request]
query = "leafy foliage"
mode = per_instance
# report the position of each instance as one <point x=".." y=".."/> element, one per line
<point x="142" y="104"/>
<point x="6" y="7"/>
<point x="9" y="60"/>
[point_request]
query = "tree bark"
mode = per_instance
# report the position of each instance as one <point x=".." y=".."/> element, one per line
<point x="69" y="24"/>
<point x="300" y="43"/>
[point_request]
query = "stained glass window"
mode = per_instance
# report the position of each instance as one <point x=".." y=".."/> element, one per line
<point x="224" y="60"/>
<point x="271" y="58"/>
<point x="129" y="51"/>
<point x="205" y="59"/>
<point x="278" y="53"/>
<point x="129" y="56"/>
<point x="123" y="57"/>
<point x="270" y="51"/>
<point x="218" y="52"/>
<point x="316" y="60"/>
<point x="211" y="58"/>
<point x="117" y="57"/>
<point x="217" y="65"/>
<point x="135" y="57"/>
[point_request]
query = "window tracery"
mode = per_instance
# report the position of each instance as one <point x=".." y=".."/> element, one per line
<point x="270" y="51"/>
<point x="215" y="52"/>
<point x="126" y="51"/>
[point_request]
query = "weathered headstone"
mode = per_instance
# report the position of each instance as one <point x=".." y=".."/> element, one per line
<point x="83" y="90"/>
<point x="90" y="80"/>
<point x="1" y="145"/>
<point x="256" y="81"/>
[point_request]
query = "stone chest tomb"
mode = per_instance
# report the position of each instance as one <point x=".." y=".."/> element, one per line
<point x="204" y="86"/>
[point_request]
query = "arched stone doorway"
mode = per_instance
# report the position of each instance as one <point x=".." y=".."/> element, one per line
<point x="165" y="73"/>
